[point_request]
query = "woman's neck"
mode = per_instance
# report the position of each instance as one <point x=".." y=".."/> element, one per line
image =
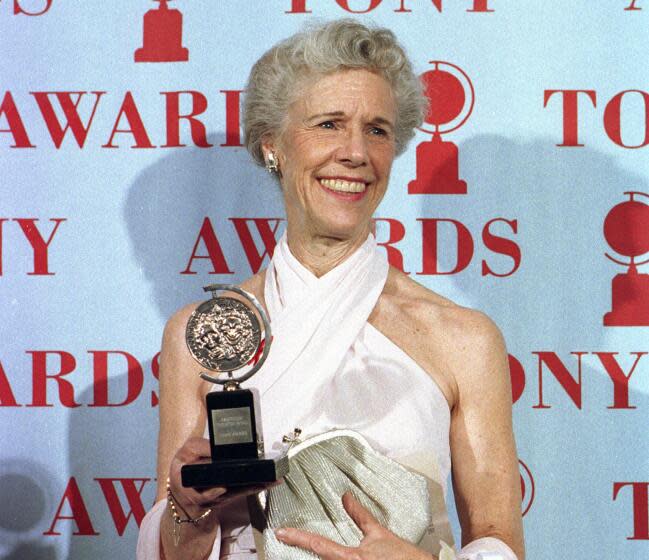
<point x="320" y="253"/>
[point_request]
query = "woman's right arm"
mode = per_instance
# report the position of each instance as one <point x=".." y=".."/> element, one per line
<point x="180" y="440"/>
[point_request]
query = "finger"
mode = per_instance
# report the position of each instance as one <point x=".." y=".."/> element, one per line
<point x="195" y="448"/>
<point x="208" y="495"/>
<point x="219" y="496"/>
<point x="191" y="498"/>
<point x="239" y="492"/>
<point x="366" y="522"/>
<point x="324" y="548"/>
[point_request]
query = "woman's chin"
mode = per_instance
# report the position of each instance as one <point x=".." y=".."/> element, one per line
<point x="344" y="219"/>
<point x="343" y="229"/>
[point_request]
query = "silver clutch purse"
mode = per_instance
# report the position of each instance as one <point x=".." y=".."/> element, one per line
<point x="322" y="469"/>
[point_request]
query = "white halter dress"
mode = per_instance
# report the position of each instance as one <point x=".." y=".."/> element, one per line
<point x="328" y="369"/>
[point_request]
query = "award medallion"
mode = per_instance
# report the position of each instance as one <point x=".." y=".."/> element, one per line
<point x="223" y="334"/>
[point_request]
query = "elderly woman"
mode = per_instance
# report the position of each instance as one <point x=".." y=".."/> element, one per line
<point x="421" y="382"/>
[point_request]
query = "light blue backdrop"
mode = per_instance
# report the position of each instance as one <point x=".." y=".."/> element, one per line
<point x="133" y="216"/>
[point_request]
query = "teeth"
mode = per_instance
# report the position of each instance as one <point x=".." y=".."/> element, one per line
<point x="343" y="186"/>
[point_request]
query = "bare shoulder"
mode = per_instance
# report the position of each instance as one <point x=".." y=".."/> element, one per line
<point x="178" y="321"/>
<point x="255" y="286"/>
<point x="433" y="315"/>
<point x="440" y="335"/>
<point x="179" y="371"/>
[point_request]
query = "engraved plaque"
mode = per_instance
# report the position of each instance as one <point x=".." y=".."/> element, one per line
<point x="232" y="425"/>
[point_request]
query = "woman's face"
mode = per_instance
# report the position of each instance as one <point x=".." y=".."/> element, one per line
<point x="336" y="152"/>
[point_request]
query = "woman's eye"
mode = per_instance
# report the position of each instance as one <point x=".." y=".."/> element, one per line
<point x="378" y="131"/>
<point x="327" y="124"/>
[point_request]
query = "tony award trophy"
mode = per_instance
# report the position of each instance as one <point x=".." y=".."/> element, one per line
<point x="626" y="229"/>
<point x="224" y="335"/>
<point x="452" y="97"/>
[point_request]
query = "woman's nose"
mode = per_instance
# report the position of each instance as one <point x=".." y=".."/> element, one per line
<point x="353" y="149"/>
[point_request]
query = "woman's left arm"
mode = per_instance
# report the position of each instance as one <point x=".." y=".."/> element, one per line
<point x="486" y="479"/>
<point x="485" y="467"/>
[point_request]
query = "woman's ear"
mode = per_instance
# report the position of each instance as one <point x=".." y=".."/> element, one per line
<point x="268" y="146"/>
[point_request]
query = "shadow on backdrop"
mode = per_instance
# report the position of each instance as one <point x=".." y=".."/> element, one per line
<point x="26" y="490"/>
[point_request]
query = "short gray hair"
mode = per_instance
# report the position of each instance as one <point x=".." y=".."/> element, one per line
<point x="320" y="50"/>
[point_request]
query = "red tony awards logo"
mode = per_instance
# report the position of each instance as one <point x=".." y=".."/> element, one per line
<point x="527" y="486"/>
<point x="626" y="229"/>
<point x="163" y="36"/>
<point x="452" y="97"/>
<point x="632" y="7"/>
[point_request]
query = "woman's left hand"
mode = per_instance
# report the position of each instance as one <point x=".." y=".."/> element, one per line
<point x="378" y="542"/>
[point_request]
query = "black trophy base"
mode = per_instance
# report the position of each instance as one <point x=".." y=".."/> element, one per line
<point x="235" y="472"/>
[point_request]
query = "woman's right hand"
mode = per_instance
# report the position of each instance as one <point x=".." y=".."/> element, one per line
<point x="195" y="501"/>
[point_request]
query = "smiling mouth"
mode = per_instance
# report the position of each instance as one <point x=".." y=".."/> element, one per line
<point x="340" y="185"/>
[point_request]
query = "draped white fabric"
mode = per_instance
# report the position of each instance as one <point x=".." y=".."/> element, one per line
<point x="315" y="322"/>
